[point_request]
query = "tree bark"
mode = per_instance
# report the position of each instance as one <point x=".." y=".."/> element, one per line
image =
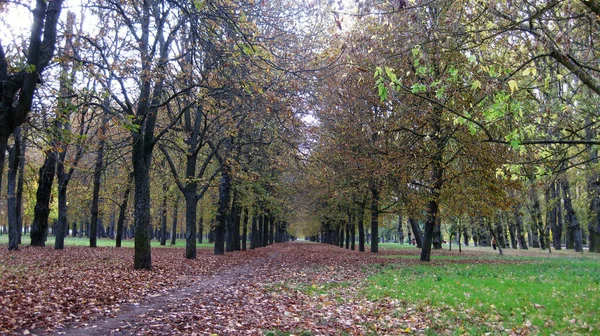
<point x="571" y="216"/>
<point x="245" y="229"/>
<point x="174" y="223"/>
<point x="97" y="180"/>
<point x="163" y="217"/>
<point x="223" y="211"/>
<point x="360" y="214"/>
<point x="39" y="227"/>
<point x="14" y="155"/>
<point x="231" y="234"/>
<point x="374" y="219"/>
<point x="123" y="209"/>
<point x="418" y="235"/>
<point x="519" y="226"/>
<point x="254" y="231"/>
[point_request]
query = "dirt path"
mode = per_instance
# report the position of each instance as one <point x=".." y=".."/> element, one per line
<point x="135" y="316"/>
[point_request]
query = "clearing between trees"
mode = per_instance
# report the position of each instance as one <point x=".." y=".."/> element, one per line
<point x="295" y="288"/>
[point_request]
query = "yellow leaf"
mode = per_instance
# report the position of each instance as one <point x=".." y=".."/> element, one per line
<point x="512" y="84"/>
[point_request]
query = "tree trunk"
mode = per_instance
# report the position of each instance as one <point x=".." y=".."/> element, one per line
<point x="14" y="155"/>
<point x="519" y="226"/>
<point x="39" y="227"/>
<point x="245" y="229"/>
<point x="400" y="229"/>
<point x="418" y="235"/>
<point x="374" y="219"/>
<point x="571" y="216"/>
<point x="254" y="231"/>
<point x="223" y="211"/>
<point x="267" y="222"/>
<point x="174" y="223"/>
<point x="361" y="226"/>
<point x="20" y="184"/>
<point x="163" y="217"/>
<point x="123" y="209"/>
<point x="272" y="230"/>
<point x="97" y="179"/>
<point x="142" y="158"/>
<point x="593" y="188"/>
<point x="232" y="214"/>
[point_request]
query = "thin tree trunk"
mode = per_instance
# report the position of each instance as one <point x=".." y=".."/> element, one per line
<point x="163" y="217"/>
<point x="520" y="231"/>
<point x="254" y="231"/>
<point x="97" y="180"/>
<point x="223" y="211"/>
<point x="361" y="226"/>
<point x="20" y="183"/>
<point x="14" y="155"/>
<point x="572" y="221"/>
<point x="174" y="223"/>
<point x="374" y="219"/>
<point x="232" y="214"/>
<point x="123" y="209"/>
<point x="245" y="229"/>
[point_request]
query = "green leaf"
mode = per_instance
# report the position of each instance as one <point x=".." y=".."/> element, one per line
<point x="391" y="75"/>
<point x="383" y="92"/>
<point x="30" y="68"/>
<point x="476" y="85"/>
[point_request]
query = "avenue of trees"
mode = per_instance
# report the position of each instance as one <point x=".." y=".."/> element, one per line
<point x="253" y="122"/>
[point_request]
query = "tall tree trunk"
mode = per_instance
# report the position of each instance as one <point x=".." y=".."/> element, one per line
<point x="163" y="217"/>
<point x="374" y="219"/>
<point x="254" y="231"/>
<point x="97" y="180"/>
<point x="222" y="211"/>
<point x="416" y="232"/>
<point x="200" y="229"/>
<point x="39" y="227"/>
<point x="272" y="230"/>
<point x="261" y="228"/>
<point x="536" y="215"/>
<point x="14" y="155"/>
<point x="360" y="214"/>
<point x="571" y="216"/>
<point x="347" y="235"/>
<point x="267" y="222"/>
<point x="520" y="230"/>
<point x="231" y="236"/>
<point x="433" y="205"/>
<point x="123" y="209"/>
<point x="352" y="221"/>
<point x="593" y="189"/>
<point x="21" y="183"/>
<point x="400" y="229"/>
<point x="174" y="223"/>
<point x="245" y="229"/>
<point x="142" y="235"/>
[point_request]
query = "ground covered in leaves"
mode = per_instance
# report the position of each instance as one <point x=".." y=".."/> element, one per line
<point x="292" y="288"/>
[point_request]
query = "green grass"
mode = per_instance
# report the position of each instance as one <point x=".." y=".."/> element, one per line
<point x="558" y="296"/>
<point x="104" y="242"/>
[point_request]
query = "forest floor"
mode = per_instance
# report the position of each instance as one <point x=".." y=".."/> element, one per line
<point x="293" y="288"/>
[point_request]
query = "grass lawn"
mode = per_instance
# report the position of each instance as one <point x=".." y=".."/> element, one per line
<point x="559" y="295"/>
<point x="104" y="242"/>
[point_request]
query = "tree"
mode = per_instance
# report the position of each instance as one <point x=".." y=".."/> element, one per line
<point x="18" y="87"/>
